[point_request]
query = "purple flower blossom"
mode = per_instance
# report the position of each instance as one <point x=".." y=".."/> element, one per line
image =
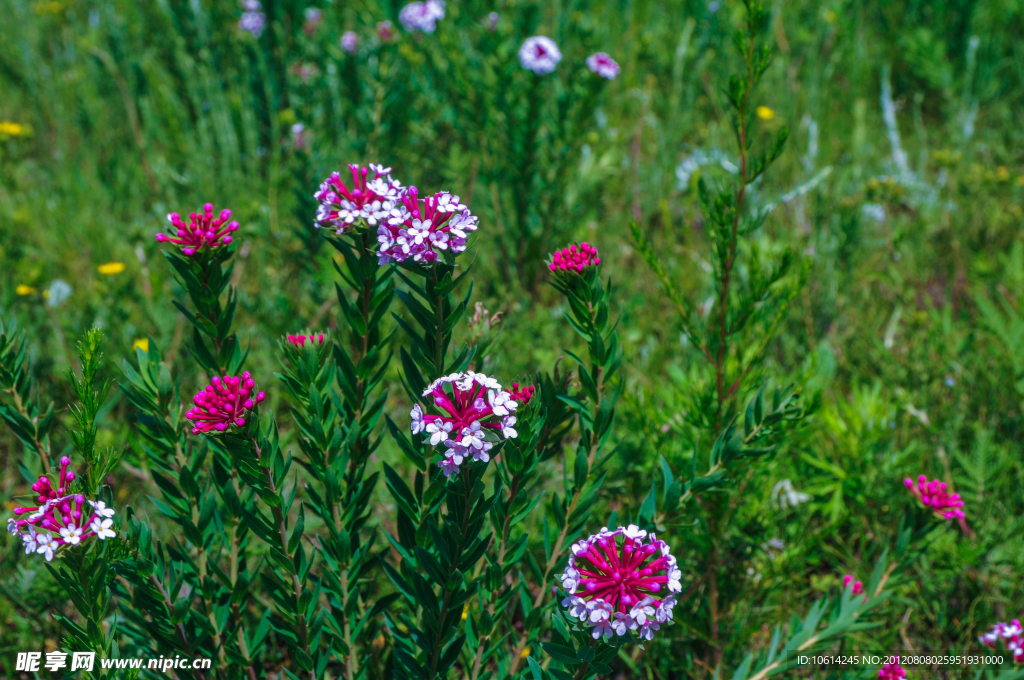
<point x="614" y="588"/>
<point x="349" y="42"/>
<point x="603" y="65"/>
<point x="475" y="412"/>
<point x="313" y="19"/>
<point x="419" y="229"/>
<point x="422" y="16"/>
<point x="253" y="20"/>
<point x="539" y="54"/>
<point x="384" y="30"/>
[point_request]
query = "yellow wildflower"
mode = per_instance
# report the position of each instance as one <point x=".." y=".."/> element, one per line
<point x="10" y="128"/>
<point x="465" y="613"/>
<point x="831" y="17"/>
<point x="141" y="343"/>
<point x="1002" y="173"/>
<point x="525" y="653"/>
<point x="111" y="268"/>
<point x="764" y="113"/>
<point x="22" y="289"/>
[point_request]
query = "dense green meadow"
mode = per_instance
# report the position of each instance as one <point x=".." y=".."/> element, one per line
<point x="888" y="241"/>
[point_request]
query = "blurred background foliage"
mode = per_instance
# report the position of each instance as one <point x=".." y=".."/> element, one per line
<point x="903" y="183"/>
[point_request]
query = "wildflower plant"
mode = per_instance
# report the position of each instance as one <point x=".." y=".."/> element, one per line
<point x="526" y="135"/>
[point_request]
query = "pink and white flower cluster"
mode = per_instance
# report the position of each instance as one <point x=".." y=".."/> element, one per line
<point x="934" y="496"/>
<point x="61" y="518"/>
<point x="892" y="671"/>
<point x="422" y="16"/>
<point x="475" y="414"/>
<point x="367" y="202"/>
<point x="224" y="403"/>
<point x="574" y="259"/>
<point x="420" y="229"/>
<point x="614" y="588"/>
<point x="1010" y="633"/>
<point x="603" y="65"/>
<point x="201" y="230"/>
<point x="539" y="54"/>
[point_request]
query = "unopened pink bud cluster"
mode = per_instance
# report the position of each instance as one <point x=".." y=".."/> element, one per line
<point x="224" y="403"/>
<point x="934" y="496"/>
<point x="475" y="413"/>
<point x="1010" y="633"/>
<point x="892" y="671"/>
<point x="575" y="258"/>
<point x="614" y="588"/>
<point x="201" y="230"/>
<point x="857" y="586"/>
<point x="300" y="340"/>
<point x="61" y="513"/>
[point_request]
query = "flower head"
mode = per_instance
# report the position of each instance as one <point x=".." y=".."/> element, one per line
<point x="522" y="394"/>
<point x="1012" y="634"/>
<point x="422" y="16"/>
<point x="313" y="18"/>
<point x="202" y="229"/>
<point x="300" y="340"/>
<point x="574" y="258"/>
<point x="367" y="202"/>
<point x="61" y="518"/>
<point x="349" y="41"/>
<point x="300" y="138"/>
<point x="112" y="268"/>
<point x="473" y="415"/>
<point x="614" y="580"/>
<point x="420" y="229"/>
<point x="11" y="128"/>
<point x="892" y="671"/>
<point x="224" y="403"/>
<point x="603" y="65"/>
<point x="253" y="20"/>
<point x="384" y="30"/>
<point x="539" y="54"/>
<point x="765" y="113"/>
<point x="934" y="496"/>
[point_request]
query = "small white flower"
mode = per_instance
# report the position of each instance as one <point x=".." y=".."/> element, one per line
<point x="102" y="527"/>
<point x="785" y="495"/>
<point x="71" y="534"/>
<point x="664" y="612"/>
<point x="47" y="544"/>
<point x="417" y="419"/>
<point x="674" y="576"/>
<point x="473" y="436"/>
<point x="101" y="509"/>
<point x="12" y="525"/>
<point x="603" y="65"/>
<point x="634" y="532"/>
<point x="577" y="607"/>
<point x="484" y="454"/>
<point x="570" y="579"/>
<point x="501" y="402"/>
<point x="642" y="610"/>
<point x="599" y="610"/>
<point x="438" y="431"/>
<point x="30" y="539"/>
<point x="507" y="430"/>
<point x="622" y="622"/>
<point x="456" y="451"/>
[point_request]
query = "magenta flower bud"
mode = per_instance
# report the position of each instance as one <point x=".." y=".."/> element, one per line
<point x="248" y="403"/>
<point x="70" y="477"/>
<point x="20" y="510"/>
